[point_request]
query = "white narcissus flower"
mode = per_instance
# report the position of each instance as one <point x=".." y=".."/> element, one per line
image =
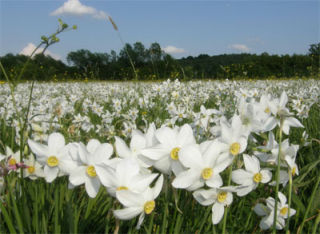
<point x="138" y="143"/>
<point x="250" y="178"/>
<point x="89" y="172"/>
<point x="203" y="163"/>
<point x="125" y="176"/>
<point x="33" y="169"/>
<point x="138" y="203"/>
<point x="233" y="136"/>
<point x="54" y="157"/>
<point x="268" y="212"/>
<point x="280" y="111"/>
<point x="248" y="116"/>
<point x="166" y="154"/>
<point x="12" y="159"/>
<point x="219" y="197"/>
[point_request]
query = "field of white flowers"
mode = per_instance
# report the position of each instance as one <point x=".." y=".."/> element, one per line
<point x="167" y="157"/>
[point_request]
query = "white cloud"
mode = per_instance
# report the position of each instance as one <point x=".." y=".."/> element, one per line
<point x="173" y="50"/>
<point x="75" y="7"/>
<point x="239" y="47"/>
<point x="31" y="47"/>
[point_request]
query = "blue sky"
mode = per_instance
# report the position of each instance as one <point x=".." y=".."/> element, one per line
<point x="182" y="28"/>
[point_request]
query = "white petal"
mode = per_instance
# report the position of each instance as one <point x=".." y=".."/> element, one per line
<point x="166" y="136"/>
<point x="66" y="164"/>
<point x="103" y="153"/>
<point x="127" y="213"/>
<point x="138" y="142"/>
<point x="261" y="210"/>
<point x="282" y="197"/>
<point x="50" y="173"/>
<point x="205" y="197"/>
<point x="129" y="198"/>
<point x="185" y="179"/>
<point x="215" y="181"/>
<point x="270" y="124"/>
<point x="155" y="153"/>
<point x="41" y="151"/>
<point x="244" y="190"/>
<point x="122" y="149"/>
<point x="252" y="164"/>
<point x="190" y="156"/>
<point x="92" y="186"/>
<point x="242" y="177"/>
<point x="92" y="145"/>
<point x="163" y="165"/>
<point x="56" y="141"/>
<point x="217" y="213"/>
<point x="83" y="153"/>
<point x="266" y="176"/>
<point x="141" y="182"/>
<point x="185" y="136"/>
<point x="283" y="99"/>
<point x="266" y="222"/>
<point x="157" y="187"/>
<point x="141" y="218"/>
<point x="106" y="175"/>
<point x="77" y="176"/>
<point x="293" y="122"/>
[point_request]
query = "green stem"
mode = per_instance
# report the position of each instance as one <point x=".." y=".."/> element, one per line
<point x="289" y="200"/>
<point x="310" y="203"/>
<point x="227" y="208"/>
<point x="277" y="180"/>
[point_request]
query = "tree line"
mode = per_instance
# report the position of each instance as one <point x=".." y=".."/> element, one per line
<point x="138" y="62"/>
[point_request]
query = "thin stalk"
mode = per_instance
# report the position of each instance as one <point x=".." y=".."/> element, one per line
<point x="115" y="27"/>
<point x="131" y="62"/>
<point x="277" y="180"/>
<point x="227" y="208"/>
<point x="309" y="204"/>
<point x="289" y="200"/>
<point x="315" y="226"/>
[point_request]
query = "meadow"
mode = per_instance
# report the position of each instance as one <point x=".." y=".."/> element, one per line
<point x="160" y="157"/>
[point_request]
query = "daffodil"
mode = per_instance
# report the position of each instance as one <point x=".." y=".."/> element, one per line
<point x="268" y="212"/>
<point x="33" y="169"/>
<point x="204" y="163"/>
<point x="138" y="203"/>
<point x="88" y="172"/>
<point x="281" y="113"/>
<point x="234" y="137"/>
<point x="219" y="197"/>
<point x="125" y="176"/>
<point x="166" y="154"/>
<point x="250" y="178"/>
<point x="137" y="144"/>
<point x="54" y="157"/>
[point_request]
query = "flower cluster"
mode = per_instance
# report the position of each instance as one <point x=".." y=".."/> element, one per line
<point x="195" y="155"/>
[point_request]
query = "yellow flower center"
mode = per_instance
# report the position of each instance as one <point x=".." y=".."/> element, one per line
<point x="149" y="206"/>
<point x="257" y="177"/>
<point x="235" y="148"/>
<point x="267" y="110"/>
<point x="91" y="171"/>
<point x="206" y="173"/>
<point x="174" y="153"/>
<point x="222" y="196"/>
<point x="31" y="169"/>
<point x="52" y="161"/>
<point x="284" y="211"/>
<point x="122" y="188"/>
<point x="12" y="162"/>
<point x="180" y="115"/>
<point x="293" y="171"/>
